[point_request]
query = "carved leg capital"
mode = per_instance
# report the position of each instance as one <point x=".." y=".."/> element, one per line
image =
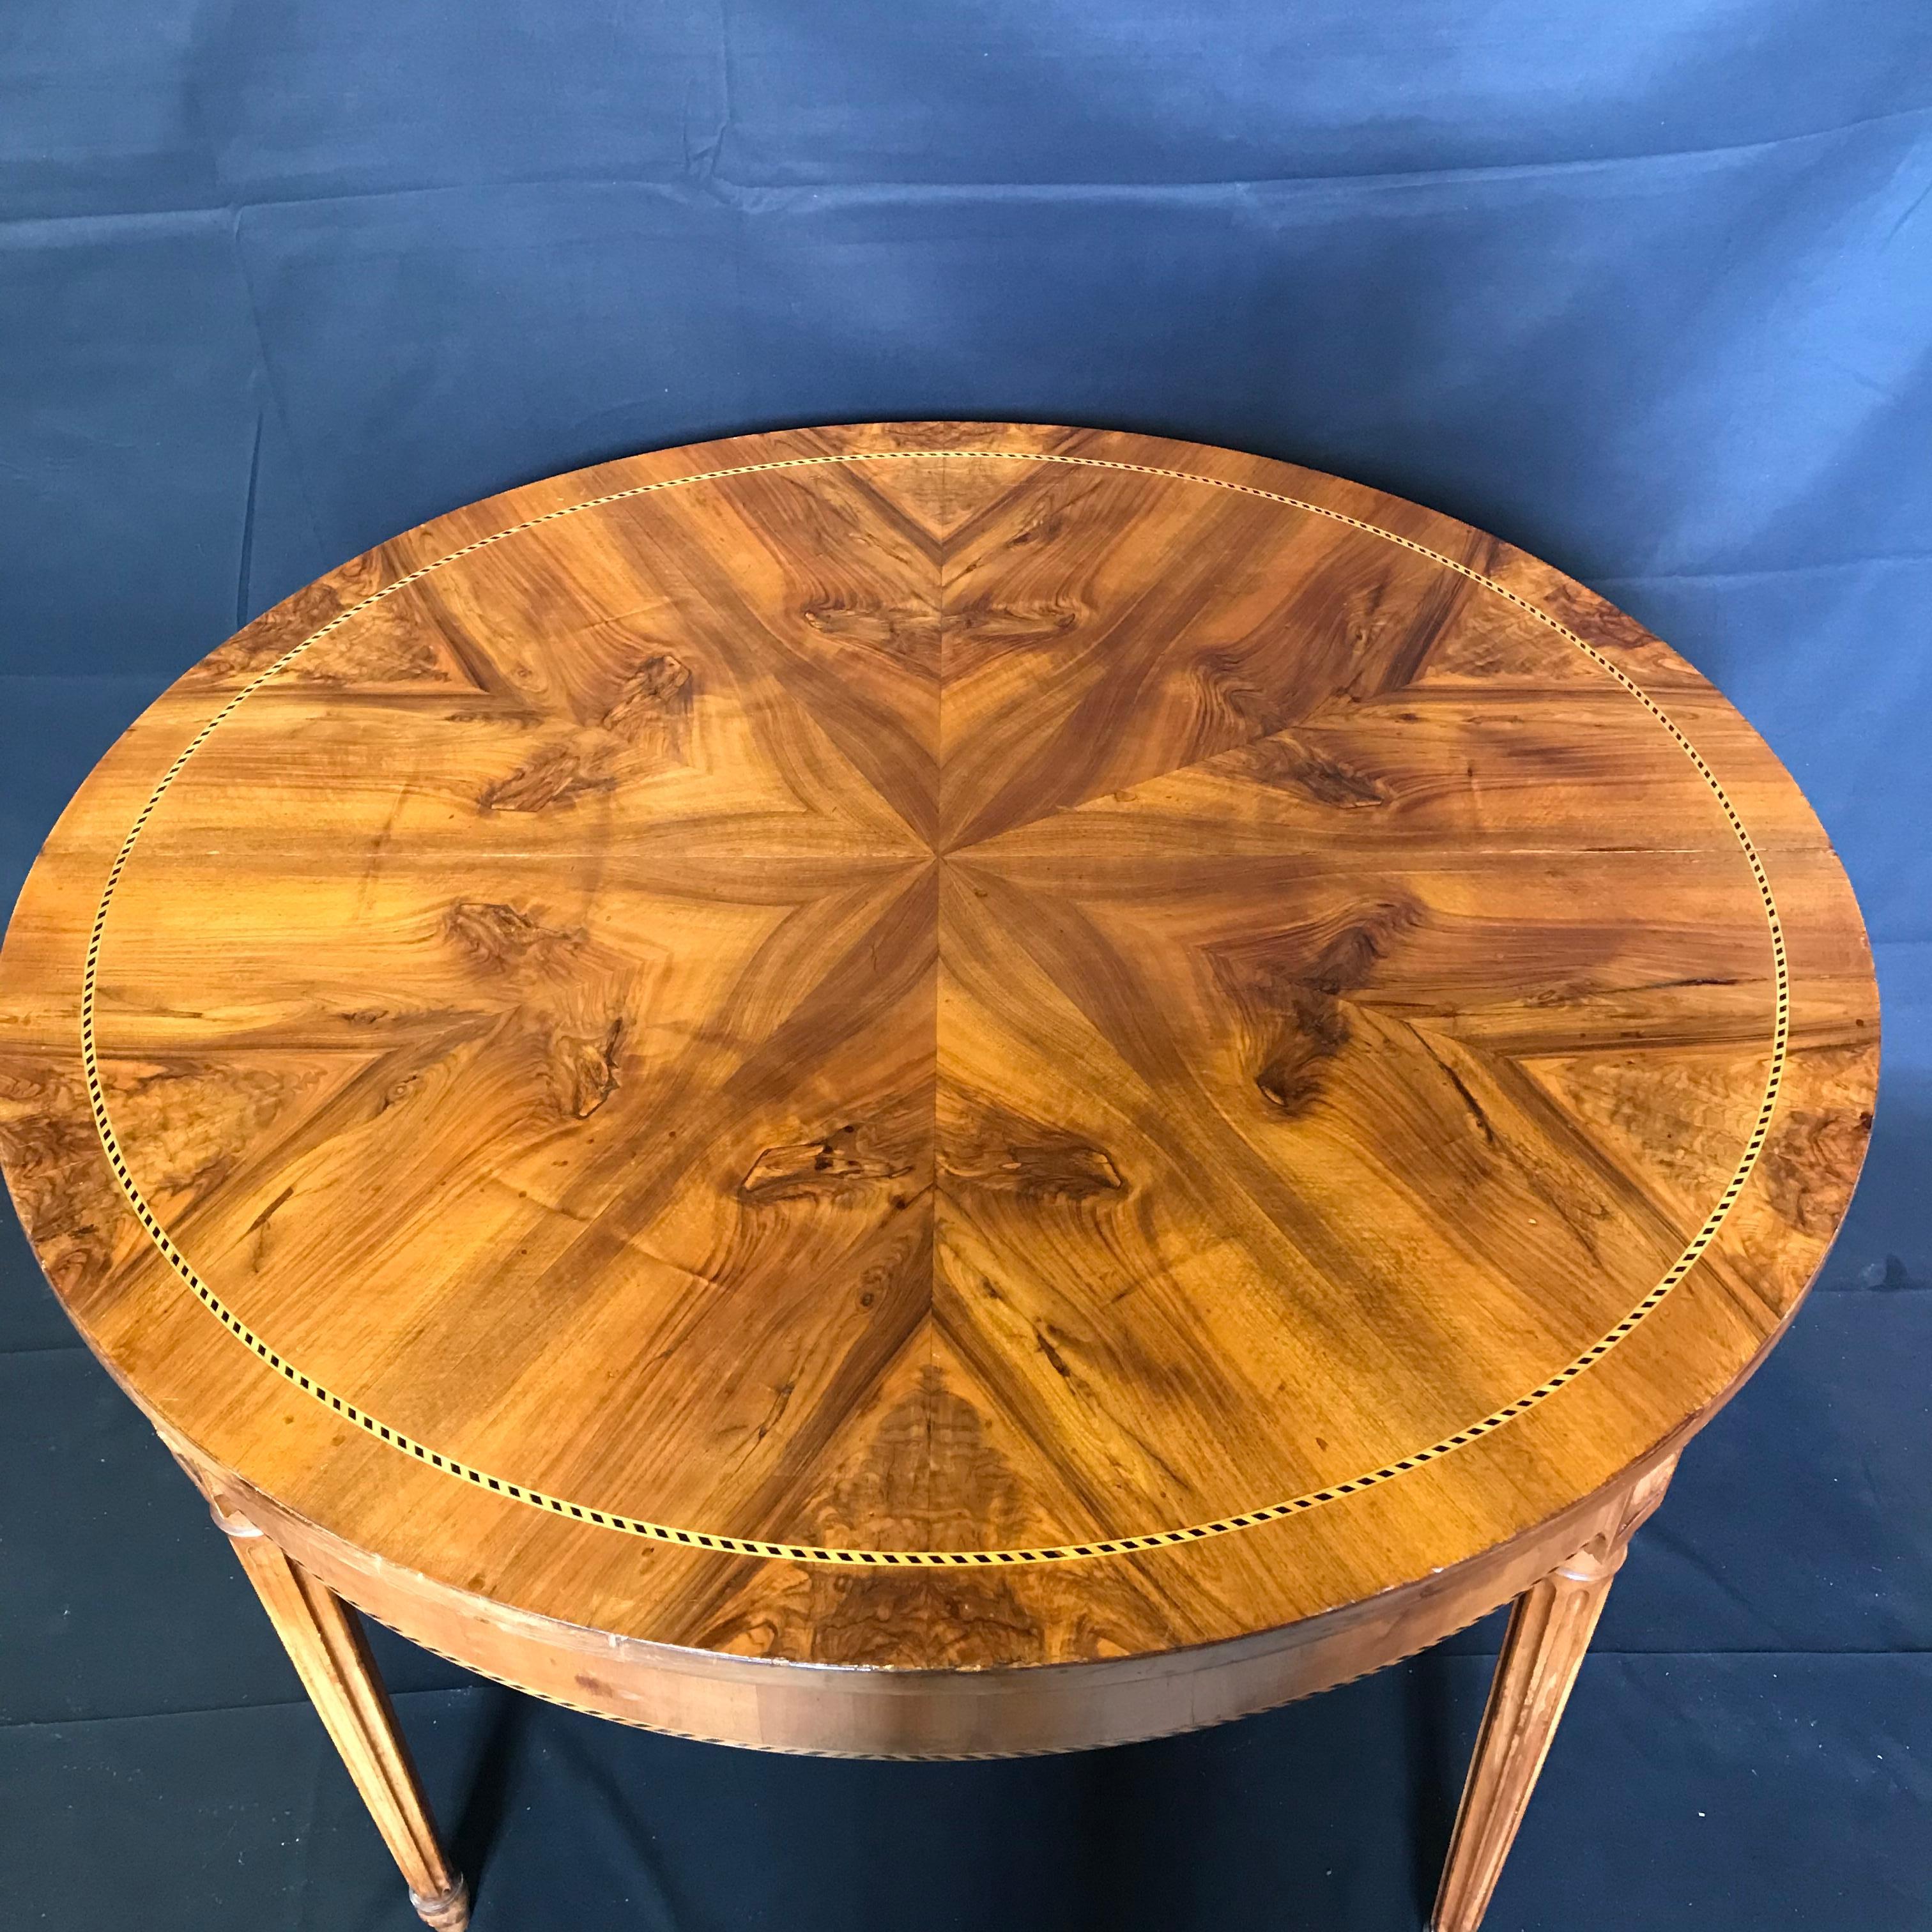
<point x="1550" y="1631"/>
<point x="324" y="1641"/>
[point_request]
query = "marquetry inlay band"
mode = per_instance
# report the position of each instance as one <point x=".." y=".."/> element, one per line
<point x="810" y="1553"/>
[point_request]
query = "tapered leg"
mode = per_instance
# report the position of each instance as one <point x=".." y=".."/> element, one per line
<point x="326" y="1643"/>
<point x="1549" y="1632"/>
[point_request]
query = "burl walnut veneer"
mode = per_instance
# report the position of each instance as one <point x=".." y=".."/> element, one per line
<point x="935" y="1090"/>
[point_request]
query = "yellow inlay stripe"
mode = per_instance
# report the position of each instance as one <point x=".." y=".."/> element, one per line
<point x="739" y="1546"/>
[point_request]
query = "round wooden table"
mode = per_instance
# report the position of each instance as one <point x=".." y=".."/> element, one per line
<point x="935" y="1090"/>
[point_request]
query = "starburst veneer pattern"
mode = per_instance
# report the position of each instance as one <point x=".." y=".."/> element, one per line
<point x="935" y="998"/>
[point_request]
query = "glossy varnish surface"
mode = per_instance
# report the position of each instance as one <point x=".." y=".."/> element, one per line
<point x="934" y="1045"/>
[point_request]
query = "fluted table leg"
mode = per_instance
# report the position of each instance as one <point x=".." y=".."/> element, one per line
<point x="1550" y="1631"/>
<point x="324" y="1641"/>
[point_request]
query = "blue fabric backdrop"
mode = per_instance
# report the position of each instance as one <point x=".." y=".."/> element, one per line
<point x="1645" y="289"/>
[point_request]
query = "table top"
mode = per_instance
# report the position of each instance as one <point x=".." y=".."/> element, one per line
<point x="935" y="1045"/>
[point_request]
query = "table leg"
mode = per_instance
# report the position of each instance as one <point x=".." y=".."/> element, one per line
<point x="325" y="1642"/>
<point x="1549" y="1631"/>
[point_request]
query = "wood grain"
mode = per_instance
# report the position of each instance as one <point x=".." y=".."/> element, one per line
<point x="1550" y="1632"/>
<point x="326" y="1645"/>
<point x="934" y="1048"/>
